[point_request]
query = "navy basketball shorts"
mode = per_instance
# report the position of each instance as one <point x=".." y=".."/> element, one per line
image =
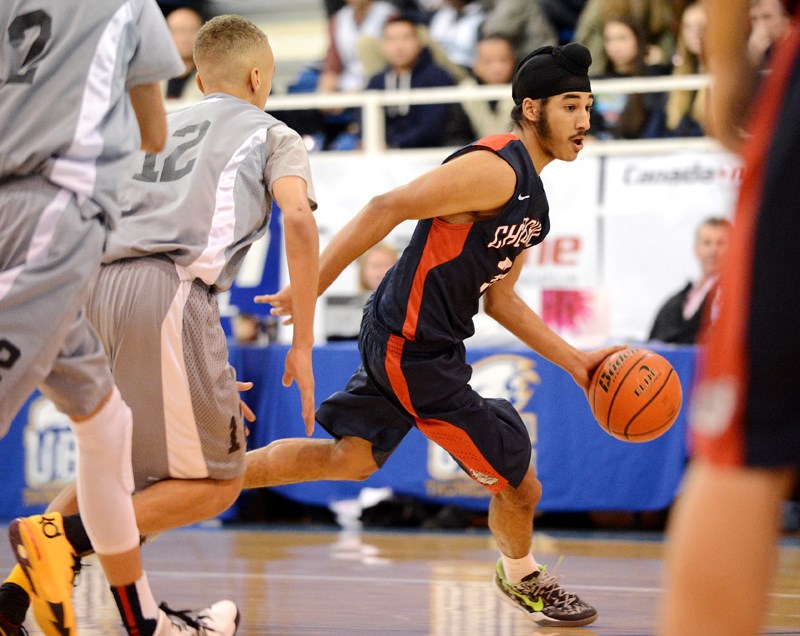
<point x="402" y="384"/>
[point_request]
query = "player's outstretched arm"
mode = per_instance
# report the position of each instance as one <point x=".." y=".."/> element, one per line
<point x="478" y="181"/>
<point x="302" y="256"/>
<point x="148" y="104"/>
<point x="502" y="303"/>
<point x="475" y="182"/>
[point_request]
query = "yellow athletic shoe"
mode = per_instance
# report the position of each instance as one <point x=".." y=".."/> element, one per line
<point x="48" y="560"/>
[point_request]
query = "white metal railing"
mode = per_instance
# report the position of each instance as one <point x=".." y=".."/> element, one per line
<point x="372" y="103"/>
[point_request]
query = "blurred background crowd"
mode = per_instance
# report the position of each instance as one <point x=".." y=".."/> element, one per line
<point x="388" y="45"/>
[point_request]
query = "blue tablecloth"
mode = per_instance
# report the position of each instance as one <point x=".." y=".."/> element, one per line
<point x="580" y="466"/>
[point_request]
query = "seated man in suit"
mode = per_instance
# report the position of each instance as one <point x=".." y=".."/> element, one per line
<point x="679" y="319"/>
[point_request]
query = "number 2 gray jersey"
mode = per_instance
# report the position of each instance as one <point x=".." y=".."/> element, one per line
<point x="207" y="196"/>
<point x="65" y="69"/>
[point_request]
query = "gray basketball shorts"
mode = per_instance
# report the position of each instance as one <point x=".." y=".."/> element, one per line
<point x="50" y="251"/>
<point x="169" y="357"/>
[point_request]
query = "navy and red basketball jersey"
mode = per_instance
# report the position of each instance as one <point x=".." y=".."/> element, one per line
<point x="434" y="290"/>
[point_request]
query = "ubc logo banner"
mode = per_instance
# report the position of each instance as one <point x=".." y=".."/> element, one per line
<point x="51" y="453"/>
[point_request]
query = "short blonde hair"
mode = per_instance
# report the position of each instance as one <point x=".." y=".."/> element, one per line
<point x="226" y="37"/>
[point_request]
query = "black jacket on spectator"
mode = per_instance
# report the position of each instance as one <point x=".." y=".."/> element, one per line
<point x="420" y="125"/>
<point x="670" y="325"/>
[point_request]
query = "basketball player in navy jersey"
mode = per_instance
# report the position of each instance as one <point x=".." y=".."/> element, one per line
<point x="721" y="560"/>
<point x="477" y="213"/>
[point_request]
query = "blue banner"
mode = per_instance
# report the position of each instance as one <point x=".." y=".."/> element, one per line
<point x="260" y="273"/>
<point x="580" y="466"/>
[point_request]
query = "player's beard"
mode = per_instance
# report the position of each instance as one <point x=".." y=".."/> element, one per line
<point x="545" y="134"/>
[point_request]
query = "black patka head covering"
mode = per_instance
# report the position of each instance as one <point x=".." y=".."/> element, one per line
<point x="552" y="70"/>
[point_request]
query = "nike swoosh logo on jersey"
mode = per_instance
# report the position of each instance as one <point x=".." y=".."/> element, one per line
<point x="522" y="198"/>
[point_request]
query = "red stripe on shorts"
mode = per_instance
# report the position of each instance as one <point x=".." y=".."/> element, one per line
<point x="453" y="439"/>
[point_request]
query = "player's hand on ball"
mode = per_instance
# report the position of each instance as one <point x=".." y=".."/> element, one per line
<point x="281" y="303"/>
<point x="592" y="360"/>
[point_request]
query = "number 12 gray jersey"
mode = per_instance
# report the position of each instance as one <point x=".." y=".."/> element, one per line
<point x="65" y="69"/>
<point x="207" y="196"/>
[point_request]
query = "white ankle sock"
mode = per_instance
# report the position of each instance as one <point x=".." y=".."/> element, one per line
<point x="105" y="477"/>
<point x="146" y="600"/>
<point x="517" y="569"/>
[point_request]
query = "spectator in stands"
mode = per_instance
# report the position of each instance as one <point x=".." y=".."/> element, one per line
<point x="494" y="64"/>
<point x="349" y="22"/>
<point x="679" y="319"/>
<point x="654" y="16"/>
<point x="184" y="23"/>
<point x="623" y="116"/>
<point x="410" y="65"/>
<point x="770" y="23"/>
<point x="373" y="265"/>
<point x="685" y="110"/>
<point x="455" y="28"/>
<point x="247" y="328"/>
<point x="342" y="313"/>
<point x="521" y="21"/>
<point x="563" y="16"/>
<point x="370" y="50"/>
<point x="342" y="70"/>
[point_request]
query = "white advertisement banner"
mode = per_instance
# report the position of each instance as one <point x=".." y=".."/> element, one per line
<point x="622" y="228"/>
<point x="699" y="181"/>
<point x="652" y="209"/>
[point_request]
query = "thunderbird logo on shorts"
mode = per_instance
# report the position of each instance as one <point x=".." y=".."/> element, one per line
<point x="482" y="478"/>
<point x="507" y="376"/>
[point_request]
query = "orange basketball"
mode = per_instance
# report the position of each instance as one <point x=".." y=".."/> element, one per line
<point x="635" y="395"/>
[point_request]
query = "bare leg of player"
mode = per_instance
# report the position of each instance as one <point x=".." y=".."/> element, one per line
<point x="168" y="504"/>
<point x="294" y="460"/>
<point x="722" y="554"/>
<point x="511" y="516"/>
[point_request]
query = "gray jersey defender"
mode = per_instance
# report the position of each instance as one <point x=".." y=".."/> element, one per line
<point x="194" y="210"/>
<point x="65" y="69"/>
<point x="67" y="134"/>
<point x="207" y="196"/>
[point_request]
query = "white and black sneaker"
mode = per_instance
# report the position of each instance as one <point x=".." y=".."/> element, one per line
<point x="222" y="618"/>
<point x="543" y="600"/>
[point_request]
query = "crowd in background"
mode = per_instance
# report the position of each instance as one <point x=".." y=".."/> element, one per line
<point x="391" y="45"/>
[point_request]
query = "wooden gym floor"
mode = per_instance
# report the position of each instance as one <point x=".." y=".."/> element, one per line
<point x="321" y="582"/>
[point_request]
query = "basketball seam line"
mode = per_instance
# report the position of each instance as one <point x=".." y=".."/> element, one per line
<point x="645" y="354"/>
<point x="650" y="401"/>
